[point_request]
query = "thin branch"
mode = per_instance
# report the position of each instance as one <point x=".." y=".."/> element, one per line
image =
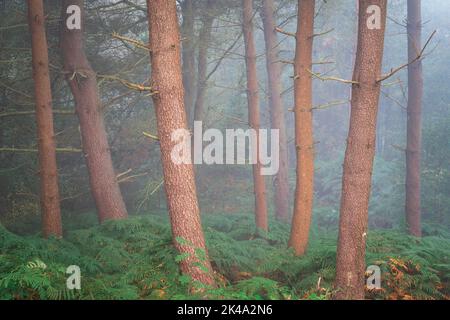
<point x="284" y="61"/>
<point x="136" y="43"/>
<point x="32" y="112"/>
<point x="131" y="178"/>
<point x="28" y="150"/>
<point x="225" y="54"/>
<point x="120" y="175"/>
<point x="318" y="76"/>
<point x="419" y="56"/>
<point x="290" y="34"/>
<point x="157" y="187"/>
<point x="397" y="22"/>
<point x="322" y="33"/>
<point x="237" y="119"/>
<point x="15" y="90"/>
<point x="394" y="100"/>
<point x="330" y="104"/>
<point x="322" y="62"/>
<point x="128" y="84"/>
<point x="148" y="135"/>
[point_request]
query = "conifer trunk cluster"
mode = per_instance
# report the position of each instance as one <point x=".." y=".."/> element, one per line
<point x="178" y="84"/>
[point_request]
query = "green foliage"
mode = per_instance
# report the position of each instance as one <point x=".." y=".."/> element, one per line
<point x="412" y="268"/>
<point x="136" y="259"/>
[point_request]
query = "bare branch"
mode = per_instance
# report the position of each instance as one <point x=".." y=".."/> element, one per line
<point x="32" y="112"/>
<point x="128" y="84"/>
<point x="290" y="34"/>
<point x="136" y="43"/>
<point x="318" y="76"/>
<point x="330" y="104"/>
<point x="29" y="150"/>
<point x="419" y="56"/>
<point x="393" y="99"/>
<point x="284" y="61"/>
<point x="322" y="33"/>
<point x="225" y="54"/>
<point x="148" y="135"/>
<point x="322" y="62"/>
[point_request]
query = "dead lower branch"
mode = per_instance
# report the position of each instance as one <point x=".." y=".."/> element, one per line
<point x="418" y="57"/>
<point x="320" y="77"/>
<point x="290" y="34"/>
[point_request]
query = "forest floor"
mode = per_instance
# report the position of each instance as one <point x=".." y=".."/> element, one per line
<point x="135" y="259"/>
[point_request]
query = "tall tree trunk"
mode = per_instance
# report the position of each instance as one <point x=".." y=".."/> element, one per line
<point x="48" y="171"/>
<point x="304" y="142"/>
<point x="359" y="155"/>
<point x="203" y="44"/>
<point x="170" y="116"/>
<point x="188" y="54"/>
<point x="414" y="127"/>
<point x="277" y="116"/>
<point x="259" y="186"/>
<point x="83" y="84"/>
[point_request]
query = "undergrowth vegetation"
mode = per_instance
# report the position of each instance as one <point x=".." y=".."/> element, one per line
<point x="135" y="259"/>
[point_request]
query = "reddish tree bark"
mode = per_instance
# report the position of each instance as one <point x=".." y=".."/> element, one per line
<point x="414" y="123"/>
<point x="48" y="171"/>
<point x="170" y="116"/>
<point x="359" y="155"/>
<point x="304" y="142"/>
<point x="259" y="186"/>
<point x="83" y="84"/>
<point x="281" y="183"/>
<point x="188" y="54"/>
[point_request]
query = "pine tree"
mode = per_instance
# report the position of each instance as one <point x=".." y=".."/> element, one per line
<point x="82" y="80"/>
<point x="259" y="186"/>
<point x="304" y="142"/>
<point x="48" y="171"/>
<point x="359" y="155"/>
<point x="179" y="179"/>
<point x="414" y="126"/>
<point x="277" y="114"/>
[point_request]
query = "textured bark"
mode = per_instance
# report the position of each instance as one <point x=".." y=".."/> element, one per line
<point x="188" y="54"/>
<point x="83" y="84"/>
<point x="204" y="40"/>
<point x="170" y="115"/>
<point x="359" y="155"/>
<point x="277" y="115"/>
<point x="304" y="142"/>
<point x="48" y="171"/>
<point x="259" y="186"/>
<point x="414" y="126"/>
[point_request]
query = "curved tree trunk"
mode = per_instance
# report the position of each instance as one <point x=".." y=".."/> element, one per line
<point x="170" y="116"/>
<point x="83" y="84"/>
<point x="359" y="155"/>
<point x="48" y="171"/>
<point x="277" y="116"/>
<point x="304" y="142"/>
<point x="259" y="186"/>
<point x="188" y="54"/>
<point x="414" y="126"/>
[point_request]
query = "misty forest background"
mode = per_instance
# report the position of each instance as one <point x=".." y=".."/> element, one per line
<point x="134" y="258"/>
